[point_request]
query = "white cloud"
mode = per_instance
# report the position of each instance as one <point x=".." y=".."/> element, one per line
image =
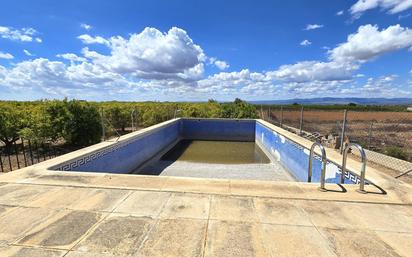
<point x="6" y="56"/>
<point x="86" y="26"/>
<point x="307" y="71"/>
<point x="72" y="57"/>
<point x="341" y="12"/>
<point x="152" y="54"/>
<point x="26" y="52"/>
<point x="152" y="64"/>
<point x="391" y="6"/>
<point x="410" y="72"/>
<point x="368" y="42"/>
<point x="305" y="42"/>
<point x="222" y="65"/>
<point x="313" y="26"/>
<point x="23" y="35"/>
<point x="88" y="40"/>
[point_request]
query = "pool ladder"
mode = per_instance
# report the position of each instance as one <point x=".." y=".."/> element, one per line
<point x="345" y="155"/>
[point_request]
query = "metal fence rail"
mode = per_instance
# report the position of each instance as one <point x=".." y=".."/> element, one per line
<point x="382" y="133"/>
<point x="24" y="153"/>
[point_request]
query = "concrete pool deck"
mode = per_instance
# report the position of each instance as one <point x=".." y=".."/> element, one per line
<point x="49" y="213"/>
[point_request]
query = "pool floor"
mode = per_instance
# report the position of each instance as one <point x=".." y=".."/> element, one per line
<point x="223" y="152"/>
<point x="216" y="159"/>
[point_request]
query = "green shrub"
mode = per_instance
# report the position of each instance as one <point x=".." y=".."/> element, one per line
<point x="396" y="152"/>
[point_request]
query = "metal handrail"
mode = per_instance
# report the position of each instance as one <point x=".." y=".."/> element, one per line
<point x="323" y="158"/>
<point x="363" y="168"/>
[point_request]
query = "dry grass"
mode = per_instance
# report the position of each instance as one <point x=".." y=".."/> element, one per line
<point x="374" y="130"/>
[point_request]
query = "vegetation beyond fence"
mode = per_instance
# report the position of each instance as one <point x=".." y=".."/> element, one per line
<point x="31" y="132"/>
<point x="386" y="130"/>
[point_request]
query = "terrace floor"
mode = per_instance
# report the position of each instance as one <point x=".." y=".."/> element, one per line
<point x="71" y="214"/>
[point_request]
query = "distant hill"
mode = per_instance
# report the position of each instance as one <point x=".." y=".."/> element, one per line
<point x="335" y="100"/>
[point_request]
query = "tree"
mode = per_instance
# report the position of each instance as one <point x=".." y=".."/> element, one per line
<point x="12" y="120"/>
<point x="84" y="125"/>
<point x="118" y="117"/>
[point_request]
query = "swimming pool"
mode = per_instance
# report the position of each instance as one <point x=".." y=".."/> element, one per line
<point x="140" y="148"/>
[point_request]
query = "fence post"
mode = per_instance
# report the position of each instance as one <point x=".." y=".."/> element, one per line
<point x="24" y="153"/>
<point x="102" y="121"/>
<point x="301" y="121"/>
<point x="1" y="162"/>
<point x="43" y="148"/>
<point x="37" y="150"/>
<point x="54" y="151"/>
<point x="8" y="151"/>
<point x="281" y="116"/>
<point x="16" y="151"/>
<point x="31" y="153"/>
<point x="370" y="135"/>
<point x="261" y="112"/>
<point x="132" y="117"/>
<point x="342" y="137"/>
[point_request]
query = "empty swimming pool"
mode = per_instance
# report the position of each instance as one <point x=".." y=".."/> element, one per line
<point x="211" y="148"/>
<point x="216" y="159"/>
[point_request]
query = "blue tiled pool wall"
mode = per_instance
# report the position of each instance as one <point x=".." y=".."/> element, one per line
<point x="295" y="157"/>
<point x="124" y="157"/>
<point x="218" y="129"/>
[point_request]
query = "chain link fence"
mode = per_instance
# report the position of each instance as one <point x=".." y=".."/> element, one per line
<point x="386" y="135"/>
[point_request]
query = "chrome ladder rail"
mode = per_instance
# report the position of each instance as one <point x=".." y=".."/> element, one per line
<point x="323" y="158"/>
<point x="363" y="168"/>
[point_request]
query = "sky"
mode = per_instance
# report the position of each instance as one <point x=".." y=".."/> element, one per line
<point x="176" y="50"/>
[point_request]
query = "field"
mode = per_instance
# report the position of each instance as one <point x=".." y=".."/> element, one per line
<point x="383" y="131"/>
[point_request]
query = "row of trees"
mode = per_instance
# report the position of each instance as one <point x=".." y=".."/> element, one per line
<point x="80" y="123"/>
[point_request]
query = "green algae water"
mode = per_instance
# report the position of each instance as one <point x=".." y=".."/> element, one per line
<point x="223" y="152"/>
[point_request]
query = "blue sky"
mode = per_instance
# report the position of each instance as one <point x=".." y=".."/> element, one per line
<point x="197" y="50"/>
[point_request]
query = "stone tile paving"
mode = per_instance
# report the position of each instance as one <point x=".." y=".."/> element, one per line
<point x="74" y="221"/>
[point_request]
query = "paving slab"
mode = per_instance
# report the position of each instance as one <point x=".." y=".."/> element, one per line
<point x="144" y="203"/>
<point x="118" y="235"/>
<point x="381" y="216"/>
<point x="400" y="242"/>
<point x="18" y="221"/>
<point x="4" y="209"/>
<point x="62" y="230"/>
<point x="234" y="239"/>
<point x="64" y="178"/>
<point x="19" y="194"/>
<point x="330" y="214"/>
<point x="186" y="205"/>
<point x="295" y="241"/>
<point x="19" y="251"/>
<point x="357" y="243"/>
<point x="129" y="181"/>
<point x="80" y="198"/>
<point x="233" y="209"/>
<point x="175" y="238"/>
<point x="280" y="211"/>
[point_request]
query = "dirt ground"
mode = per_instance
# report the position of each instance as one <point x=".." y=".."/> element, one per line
<point x="374" y="130"/>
